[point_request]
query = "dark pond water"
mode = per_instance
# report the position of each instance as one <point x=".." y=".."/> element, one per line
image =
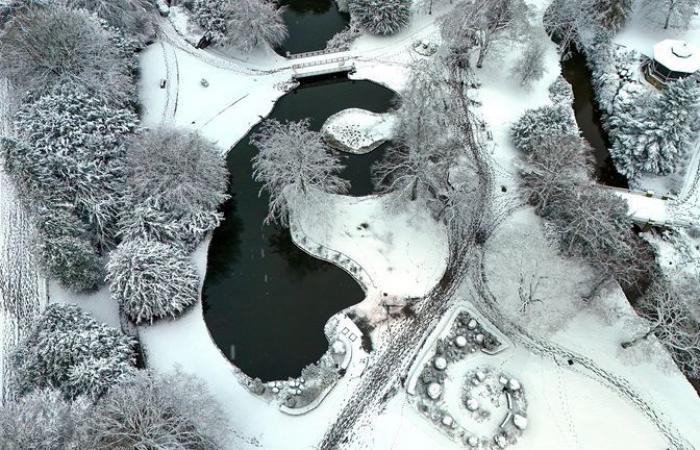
<point x="262" y="294"/>
<point x="588" y="118"/>
<point x="311" y="23"/>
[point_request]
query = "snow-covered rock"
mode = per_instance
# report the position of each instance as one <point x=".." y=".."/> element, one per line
<point x="513" y="384"/>
<point x="472" y="324"/>
<point x="440" y="363"/>
<point x="520" y="421"/>
<point x="472" y="404"/>
<point x="472" y="441"/>
<point x="447" y="421"/>
<point x="357" y="130"/>
<point x="434" y="390"/>
<point x="460" y="341"/>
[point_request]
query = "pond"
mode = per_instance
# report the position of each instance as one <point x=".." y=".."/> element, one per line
<point x="263" y="296"/>
<point x="588" y="117"/>
<point x="311" y="23"/>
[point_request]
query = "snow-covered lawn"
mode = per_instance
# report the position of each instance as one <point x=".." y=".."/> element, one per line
<point x="357" y="130"/>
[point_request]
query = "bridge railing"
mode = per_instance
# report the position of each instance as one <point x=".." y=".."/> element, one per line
<point x="326" y="51"/>
<point x="321" y="63"/>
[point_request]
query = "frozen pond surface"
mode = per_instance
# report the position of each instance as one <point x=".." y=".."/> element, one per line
<point x="262" y="294"/>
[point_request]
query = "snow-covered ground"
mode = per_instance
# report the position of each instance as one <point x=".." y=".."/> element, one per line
<point x="357" y="130"/>
<point x="404" y="254"/>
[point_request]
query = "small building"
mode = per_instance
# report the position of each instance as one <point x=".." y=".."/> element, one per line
<point x="673" y="60"/>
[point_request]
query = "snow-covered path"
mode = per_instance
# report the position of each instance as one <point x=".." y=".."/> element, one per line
<point x="22" y="291"/>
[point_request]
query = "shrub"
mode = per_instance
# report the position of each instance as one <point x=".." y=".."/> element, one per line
<point x="152" y="280"/>
<point x="70" y="260"/>
<point x="382" y="17"/>
<point x="66" y="348"/>
<point x="529" y="130"/>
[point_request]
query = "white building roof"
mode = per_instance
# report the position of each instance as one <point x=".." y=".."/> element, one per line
<point x="678" y="56"/>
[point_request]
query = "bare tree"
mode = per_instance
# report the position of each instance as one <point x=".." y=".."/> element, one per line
<point x="292" y="163"/>
<point x="43" y="46"/>
<point x="418" y="164"/>
<point x="567" y="21"/>
<point x="157" y="411"/>
<point x="672" y="13"/>
<point x="671" y="311"/>
<point x="481" y="23"/>
<point x="594" y="225"/>
<point x="559" y="158"/>
<point x="530" y="66"/>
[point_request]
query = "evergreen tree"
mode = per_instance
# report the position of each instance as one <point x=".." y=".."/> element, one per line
<point x="653" y="133"/>
<point x="382" y="17"/>
<point x="64" y="348"/>
<point x="152" y="280"/>
<point x="528" y="132"/>
<point x="244" y="24"/>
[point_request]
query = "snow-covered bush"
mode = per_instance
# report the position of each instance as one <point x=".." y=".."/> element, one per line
<point x="529" y="130"/>
<point x="244" y="24"/>
<point x="44" y="420"/>
<point x="653" y="133"/>
<point x="174" y="412"/>
<point x="561" y="92"/>
<point x="176" y="181"/>
<point x="292" y="162"/>
<point x="382" y="17"/>
<point x="70" y="351"/>
<point x="69" y="259"/>
<point x="152" y="280"/>
<point x="43" y="46"/>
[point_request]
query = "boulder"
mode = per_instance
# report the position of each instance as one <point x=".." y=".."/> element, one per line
<point x="434" y="390"/>
<point x="472" y="404"/>
<point x="520" y="421"/>
<point x="440" y="363"/>
<point x="461" y="341"/>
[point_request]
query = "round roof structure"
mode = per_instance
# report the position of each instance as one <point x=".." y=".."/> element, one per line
<point x="678" y="56"/>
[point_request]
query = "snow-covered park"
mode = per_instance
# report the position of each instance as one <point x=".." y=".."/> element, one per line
<point x="509" y="297"/>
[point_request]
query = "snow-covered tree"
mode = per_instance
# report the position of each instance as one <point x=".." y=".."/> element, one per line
<point x="558" y="158"/>
<point x="72" y="152"/>
<point x="653" y="133"/>
<point x="671" y="311"/>
<point x="152" y="280"/>
<point x="480" y="24"/>
<point x="530" y="66"/>
<point x="43" y="46"/>
<point x="292" y="163"/>
<point x="132" y="16"/>
<point x="44" y="420"/>
<point x="176" y="181"/>
<point x="612" y="14"/>
<point x="65" y="346"/>
<point x="382" y="17"/>
<point x="152" y="410"/>
<point x="670" y="13"/>
<point x="535" y="124"/>
<point x="244" y="24"/>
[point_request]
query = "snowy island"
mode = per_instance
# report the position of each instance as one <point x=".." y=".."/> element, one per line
<point x="349" y="224"/>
